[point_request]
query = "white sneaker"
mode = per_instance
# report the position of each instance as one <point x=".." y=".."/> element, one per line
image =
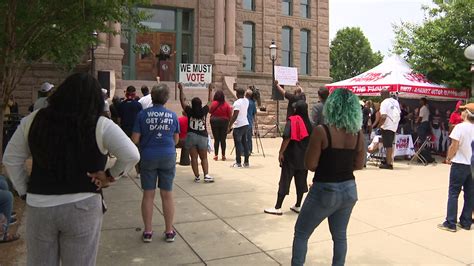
<point x="208" y="179"/>
<point x="273" y="211"/>
<point x="197" y="179"/>
<point x="295" y="209"/>
<point x="138" y="176"/>
<point x="236" y="165"/>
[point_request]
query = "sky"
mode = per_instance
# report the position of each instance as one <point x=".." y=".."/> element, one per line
<point x="375" y="18"/>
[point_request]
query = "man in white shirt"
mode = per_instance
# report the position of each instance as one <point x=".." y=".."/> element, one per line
<point x="460" y="176"/>
<point x="146" y="100"/>
<point x="390" y="116"/>
<point x="424" y="128"/>
<point x="240" y="122"/>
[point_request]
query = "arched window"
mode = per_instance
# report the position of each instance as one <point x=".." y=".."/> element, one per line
<point x="248" y="53"/>
<point x="286" y="46"/>
<point x="248" y="4"/>
<point x="287" y="7"/>
<point x="305" y="44"/>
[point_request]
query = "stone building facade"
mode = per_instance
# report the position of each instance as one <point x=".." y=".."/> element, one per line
<point x="233" y="35"/>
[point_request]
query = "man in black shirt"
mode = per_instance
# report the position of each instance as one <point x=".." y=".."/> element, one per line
<point x="297" y="95"/>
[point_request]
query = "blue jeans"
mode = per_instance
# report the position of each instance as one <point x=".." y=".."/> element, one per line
<point x="6" y="199"/>
<point x="334" y="201"/>
<point x="240" y="141"/>
<point x="459" y="177"/>
<point x="249" y="138"/>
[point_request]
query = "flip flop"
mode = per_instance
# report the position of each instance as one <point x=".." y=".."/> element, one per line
<point x="9" y="238"/>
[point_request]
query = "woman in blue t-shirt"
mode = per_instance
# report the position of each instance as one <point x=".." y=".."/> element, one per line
<point x="156" y="131"/>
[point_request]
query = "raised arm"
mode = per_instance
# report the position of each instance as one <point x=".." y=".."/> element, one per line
<point x="279" y="88"/>
<point x="181" y="96"/>
<point x="209" y="94"/>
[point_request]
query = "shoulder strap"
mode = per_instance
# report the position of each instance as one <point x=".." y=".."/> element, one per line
<point x="328" y="135"/>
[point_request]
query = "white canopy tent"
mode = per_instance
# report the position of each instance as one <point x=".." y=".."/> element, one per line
<point x="396" y="75"/>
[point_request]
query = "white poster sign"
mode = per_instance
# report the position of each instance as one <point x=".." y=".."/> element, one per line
<point x="286" y="75"/>
<point x="196" y="76"/>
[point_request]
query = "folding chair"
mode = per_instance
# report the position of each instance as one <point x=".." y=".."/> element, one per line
<point x="419" y="147"/>
<point x="377" y="157"/>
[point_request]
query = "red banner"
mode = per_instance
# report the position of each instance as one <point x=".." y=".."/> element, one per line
<point x="430" y="91"/>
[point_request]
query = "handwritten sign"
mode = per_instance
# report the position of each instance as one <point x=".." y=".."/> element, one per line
<point x="197" y="76"/>
<point x="286" y="75"/>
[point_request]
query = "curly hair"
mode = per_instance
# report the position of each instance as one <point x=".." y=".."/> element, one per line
<point x="342" y="110"/>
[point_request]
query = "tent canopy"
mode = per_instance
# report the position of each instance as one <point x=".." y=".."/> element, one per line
<point x="396" y="75"/>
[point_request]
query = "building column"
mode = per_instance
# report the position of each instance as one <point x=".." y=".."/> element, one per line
<point x="115" y="38"/>
<point x="219" y="26"/>
<point x="230" y="27"/>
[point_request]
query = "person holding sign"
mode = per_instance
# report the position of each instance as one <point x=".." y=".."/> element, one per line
<point x="297" y="95"/>
<point x="196" y="140"/>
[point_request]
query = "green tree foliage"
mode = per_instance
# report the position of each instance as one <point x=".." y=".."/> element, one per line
<point x="436" y="47"/>
<point x="57" y="31"/>
<point x="351" y="55"/>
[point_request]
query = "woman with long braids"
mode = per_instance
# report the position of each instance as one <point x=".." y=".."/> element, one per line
<point x="335" y="150"/>
<point x="69" y="141"/>
<point x="196" y="139"/>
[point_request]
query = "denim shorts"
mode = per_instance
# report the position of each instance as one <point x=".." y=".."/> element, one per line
<point x="161" y="171"/>
<point x="194" y="140"/>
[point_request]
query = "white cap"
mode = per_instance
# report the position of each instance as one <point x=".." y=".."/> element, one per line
<point x="46" y="87"/>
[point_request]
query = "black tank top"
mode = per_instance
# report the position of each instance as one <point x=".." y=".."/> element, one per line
<point x="335" y="165"/>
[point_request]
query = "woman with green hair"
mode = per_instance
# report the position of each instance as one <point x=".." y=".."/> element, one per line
<point x="334" y="151"/>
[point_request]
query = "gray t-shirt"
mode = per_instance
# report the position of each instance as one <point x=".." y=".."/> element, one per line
<point x="317" y="117"/>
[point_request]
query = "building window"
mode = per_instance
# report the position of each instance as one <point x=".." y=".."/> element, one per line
<point x="160" y="19"/>
<point x="248" y="62"/>
<point x="249" y="4"/>
<point x="286" y="47"/>
<point x="304" y="8"/>
<point x="286" y="7"/>
<point x="304" y="52"/>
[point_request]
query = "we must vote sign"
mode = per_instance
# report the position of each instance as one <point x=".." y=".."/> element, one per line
<point x="195" y="75"/>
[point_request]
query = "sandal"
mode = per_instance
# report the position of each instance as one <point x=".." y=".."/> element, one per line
<point x="9" y="238"/>
<point x="215" y="158"/>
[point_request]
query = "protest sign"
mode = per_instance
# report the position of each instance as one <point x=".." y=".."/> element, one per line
<point x="196" y="76"/>
<point x="286" y="75"/>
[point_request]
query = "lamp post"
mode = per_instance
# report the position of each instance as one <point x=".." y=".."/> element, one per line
<point x="469" y="54"/>
<point x="93" y="47"/>
<point x="273" y="51"/>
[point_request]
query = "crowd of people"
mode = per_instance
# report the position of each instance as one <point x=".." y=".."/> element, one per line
<point x="70" y="139"/>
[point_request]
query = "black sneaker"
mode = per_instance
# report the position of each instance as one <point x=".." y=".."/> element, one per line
<point x="463" y="227"/>
<point x="446" y="228"/>
<point x="386" y="166"/>
<point x="13" y="221"/>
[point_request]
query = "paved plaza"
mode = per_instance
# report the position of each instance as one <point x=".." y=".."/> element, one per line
<point x="394" y="221"/>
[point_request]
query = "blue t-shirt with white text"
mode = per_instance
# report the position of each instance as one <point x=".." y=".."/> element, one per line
<point x="156" y="126"/>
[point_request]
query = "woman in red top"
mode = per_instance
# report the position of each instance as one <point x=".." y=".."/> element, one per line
<point x="220" y="115"/>
<point x="183" y="131"/>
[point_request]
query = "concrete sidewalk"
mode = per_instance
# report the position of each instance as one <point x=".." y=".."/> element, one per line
<point x="394" y="221"/>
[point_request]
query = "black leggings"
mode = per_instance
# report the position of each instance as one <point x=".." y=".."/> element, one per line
<point x="219" y="131"/>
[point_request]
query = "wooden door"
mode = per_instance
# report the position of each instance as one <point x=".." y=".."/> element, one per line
<point x="147" y="65"/>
